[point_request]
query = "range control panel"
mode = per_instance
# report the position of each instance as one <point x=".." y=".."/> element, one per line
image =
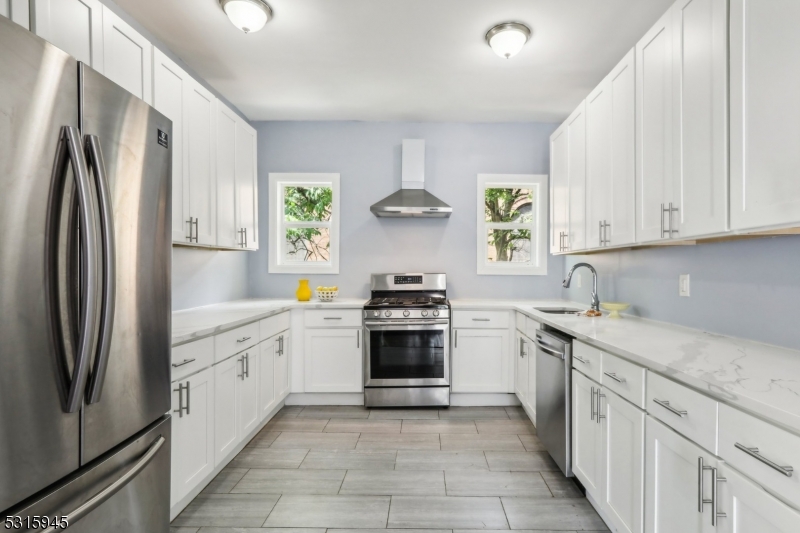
<point x="408" y="280"/>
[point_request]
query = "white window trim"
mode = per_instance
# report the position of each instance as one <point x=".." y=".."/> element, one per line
<point x="276" y="182"/>
<point x="539" y="246"/>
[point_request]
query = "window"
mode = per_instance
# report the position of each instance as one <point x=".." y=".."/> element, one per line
<point x="512" y="232"/>
<point x="304" y="223"/>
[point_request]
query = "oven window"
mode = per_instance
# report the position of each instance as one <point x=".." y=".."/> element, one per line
<point x="406" y="354"/>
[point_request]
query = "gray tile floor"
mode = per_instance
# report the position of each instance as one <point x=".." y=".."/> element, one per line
<point x="346" y="469"/>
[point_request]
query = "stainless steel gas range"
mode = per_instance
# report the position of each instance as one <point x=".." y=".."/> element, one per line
<point x="407" y="341"/>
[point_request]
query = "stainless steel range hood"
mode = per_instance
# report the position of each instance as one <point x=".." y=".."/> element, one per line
<point x="412" y="200"/>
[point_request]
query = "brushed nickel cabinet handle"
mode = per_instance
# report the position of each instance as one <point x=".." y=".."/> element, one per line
<point x="754" y="453"/>
<point x="184" y="362"/>
<point x="243" y="339"/>
<point x="581" y="359"/>
<point x="665" y="404"/>
<point x="615" y="377"/>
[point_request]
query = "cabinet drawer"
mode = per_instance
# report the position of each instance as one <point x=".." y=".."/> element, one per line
<point x="235" y="340"/>
<point x="624" y="378"/>
<point x="481" y="319"/>
<point x="684" y="410"/>
<point x="522" y="322"/>
<point x="774" y="445"/>
<point x="532" y="327"/>
<point x="273" y="325"/>
<point x="189" y="358"/>
<point x="587" y="360"/>
<point x="333" y="318"/>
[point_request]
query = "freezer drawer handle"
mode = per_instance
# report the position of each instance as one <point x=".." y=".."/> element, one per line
<point x="184" y="362"/>
<point x="549" y="351"/>
<point x="753" y="452"/>
<point x="115" y="487"/>
<point x="72" y="388"/>
<point x="94" y="156"/>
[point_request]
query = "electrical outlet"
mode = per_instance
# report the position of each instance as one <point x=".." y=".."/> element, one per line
<point x="578" y="281"/>
<point x="683" y="285"/>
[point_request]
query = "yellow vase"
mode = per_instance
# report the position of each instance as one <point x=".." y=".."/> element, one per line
<point x="303" y="291"/>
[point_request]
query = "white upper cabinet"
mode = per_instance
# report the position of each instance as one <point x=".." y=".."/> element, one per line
<point x="227" y="234"/>
<point x="700" y="126"/>
<point x="654" y="135"/>
<point x="576" y="171"/>
<point x="610" y="158"/>
<point x="127" y="57"/>
<point x="17" y="10"/>
<point x="75" y="26"/>
<point x="170" y="89"/>
<point x="201" y="111"/>
<point x="246" y="186"/>
<point x="765" y="113"/>
<point x="559" y="189"/>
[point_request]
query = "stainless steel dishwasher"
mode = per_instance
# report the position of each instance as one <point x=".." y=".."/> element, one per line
<point x="554" y="395"/>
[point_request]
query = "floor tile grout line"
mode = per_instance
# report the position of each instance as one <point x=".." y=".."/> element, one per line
<point x="503" y="505"/>
<point x="271" y="510"/>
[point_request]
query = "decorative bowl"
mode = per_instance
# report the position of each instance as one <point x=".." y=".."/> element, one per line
<point x="615" y="308"/>
<point x="326" y="295"/>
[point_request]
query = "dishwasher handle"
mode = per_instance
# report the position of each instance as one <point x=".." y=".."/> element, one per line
<point x="550" y="351"/>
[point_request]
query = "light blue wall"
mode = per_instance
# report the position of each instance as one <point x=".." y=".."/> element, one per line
<point x="748" y="289"/>
<point x="367" y="155"/>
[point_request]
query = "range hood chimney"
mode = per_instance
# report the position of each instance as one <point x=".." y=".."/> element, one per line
<point x="412" y="200"/>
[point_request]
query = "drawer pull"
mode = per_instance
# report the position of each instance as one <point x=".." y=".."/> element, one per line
<point x="753" y="452"/>
<point x="481" y="320"/>
<point x="581" y="359"/>
<point x="185" y="362"/>
<point x="615" y="377"/>
<point x="333" y="318"/>
<point x="243" y="339"/>
<point x="665" y="404"/>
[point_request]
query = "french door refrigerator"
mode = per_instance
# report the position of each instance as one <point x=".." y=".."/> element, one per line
<point x="85" y="242"/>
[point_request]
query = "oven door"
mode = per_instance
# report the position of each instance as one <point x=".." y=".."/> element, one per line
<point x="408" y="353"/>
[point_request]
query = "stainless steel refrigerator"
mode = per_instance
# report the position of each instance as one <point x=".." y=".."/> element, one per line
<point x="85" y="250"/>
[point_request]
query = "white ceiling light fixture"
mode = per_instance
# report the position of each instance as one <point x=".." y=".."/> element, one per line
<point x="247" y="15"/>
<point x="508" y="38"/>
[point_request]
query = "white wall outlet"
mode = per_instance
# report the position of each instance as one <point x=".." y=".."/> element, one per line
<point x="683" y="285"/>
<point x="578" y="281"/>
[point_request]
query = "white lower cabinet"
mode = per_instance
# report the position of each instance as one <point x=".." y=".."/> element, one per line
<point x="480" y="360"/>
<point x="587" y="451"/>
<point x="282" y="366"/>
<point x="192" y="432"/>
<point x="225" y="376"/>
<point x="623" y="461"/>
<point x="748" y="508"/>
<point x="247" y="411"/>
<point x="333" y="360"/>
<point x="267" y="379"/>
<point x="678" y="474"/>
<point x="521" y="364"/>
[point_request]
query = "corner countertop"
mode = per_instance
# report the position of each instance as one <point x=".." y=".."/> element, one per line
<point x="199" y="322"/>
<point x="753" y="376"/>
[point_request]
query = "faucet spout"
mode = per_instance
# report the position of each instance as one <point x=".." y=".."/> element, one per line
<point x="568" y="280"/>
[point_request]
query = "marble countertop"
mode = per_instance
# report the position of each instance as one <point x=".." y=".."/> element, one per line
<point x="199" y="322"/>
<point x="756" y="377"/>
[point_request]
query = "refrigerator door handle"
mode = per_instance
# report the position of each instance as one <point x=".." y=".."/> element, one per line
<point x="99" y="498"/>
<point x="69" y="151"/>
<point x="94" y="156"/>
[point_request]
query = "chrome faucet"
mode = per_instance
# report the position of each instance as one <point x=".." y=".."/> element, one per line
<point x="595" y="299"/>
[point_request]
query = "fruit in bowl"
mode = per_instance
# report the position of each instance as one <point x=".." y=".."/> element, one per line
<point x="327" y="294"/>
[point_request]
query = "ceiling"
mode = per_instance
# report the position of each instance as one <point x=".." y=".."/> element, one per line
<point x="402" y="60"/>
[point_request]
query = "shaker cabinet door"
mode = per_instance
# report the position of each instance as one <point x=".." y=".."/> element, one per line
<point x="480" y="360"/>
<point x="227" y="229"/>
<point x="266" y="376"/>
<point x="765" y="113"/>
<point x="282" y="361"/>
<point x="587" y="446"/>
<point x="247" y="411"/>
<point x="673" y="481"/>
<point x="559" y="189"/>
<point x="192" y="432"/>
<point x="201" y="111"/>
<point x="576" y="171"/>
<point x="521" y="363"/>
<point x="127" y="57"/>
<point x="749" y="508"/>
<point x="75" y="26"/>
<point x="225" y="437"/>
<point x="333" y="360"/>
<point x="246" y="185"/>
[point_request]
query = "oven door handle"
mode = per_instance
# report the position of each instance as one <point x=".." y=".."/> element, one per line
<point x="409" y="323"/>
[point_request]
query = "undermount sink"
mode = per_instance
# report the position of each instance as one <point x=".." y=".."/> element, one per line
<point x="559" y="310"/>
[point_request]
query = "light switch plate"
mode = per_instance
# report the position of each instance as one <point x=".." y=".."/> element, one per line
<point x="683" y="285"/>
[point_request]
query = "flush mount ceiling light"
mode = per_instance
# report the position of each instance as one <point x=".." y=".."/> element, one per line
<point x="508" y="38"/>
<point x="247" y="15"/>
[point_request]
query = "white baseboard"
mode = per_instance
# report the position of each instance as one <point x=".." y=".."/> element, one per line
<point x="176" y="509"/>
<point x="357" y="398"/>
